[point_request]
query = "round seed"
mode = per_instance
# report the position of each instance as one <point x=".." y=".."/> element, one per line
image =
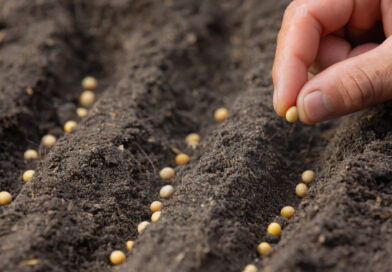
<point x="117" y="257"/>
<point x="301" y="189"/>
<point x="156" y="206"/>
<point x="69" y="126"/>
<point x="263" y="248"/>
<point x="287" y="212"/>
<point x="142" y="226"/>
<point x="5" y="198"/>
<point x="274" y="229"/>
<point x="30" y="154"/>
<point x="155" y="216"/>
<point x="48" y="140"/>
<point x="166" y="191"/>
<point x="292" y="114"/>
<point x="89" y="83"/>
<point x="129" y="245"/>
<point x="221" y="114"/>
<point x="28" y="175"/>
<point x="166" y="173"/>
<point x="87" y="98"/>
<point x="250" y="268"/>
<point x="192" y="140"/>
<point x="81" y="112"/>
<point x="308" y="176"/>
<point x="182" y="159"/>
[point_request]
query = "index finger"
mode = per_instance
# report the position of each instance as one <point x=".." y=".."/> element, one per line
<point x="304" y="23"/>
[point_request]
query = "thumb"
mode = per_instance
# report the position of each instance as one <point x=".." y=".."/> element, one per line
<point x="348" y="86"/>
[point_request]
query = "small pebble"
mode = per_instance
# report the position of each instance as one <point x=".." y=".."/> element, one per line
<point x="81" y="112"/>
<point x="142" y="226"/>
<point x="292" y="114"/>
<point x="155" y="216"/>
<point x="129" y="245"/>
<point x="89" y="83"/>
<point x="301" y="189"/>
<point x="5" y="198"/>
<point x="274" y="229"/>
<point x="166" y="173"/>
<point x="308" y="176"/>
<point x="117" y="257"/>
<point x="221" y="114"/>
<point x="250" y="268"/>
<point x="287" y="212"/>
<point x="182" y="159"/>
<point x="166" y="191"/>
<point x="48" y="140"/>
<point x="263" y="248"/>
<point x="30" y="154"/>
<point x="69" y="126"/>
<point x="156" y="206"/>
<point x="87" y="98"/>
<point x="28" y="175"/>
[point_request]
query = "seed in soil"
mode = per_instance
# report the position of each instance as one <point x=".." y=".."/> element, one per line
<point x="166" y="173"/>
<point x="69" y="126"/>
<point x="117" y="257"/>
<point x="81" y="112"/>
<point x="166" y="191"/>
<point x="142" y="226"/>
<point x="156" y="206"/>
<point x="129" y="245"/>
<point x="292" y="114"/>
<point x="192" y="140"/>
<point x="308" y="176"/>
<point x="5" y="198"/>
<point x="287" y="212"/>
<point x="87" y="98"/>
<point x="274" y="229"/>
<point x="221" y="114"/>
<point x="182" y="159"/>
<point x="250" y="268"/>
<point x="89" y="83"/>
<point x="263" y="248"/>
<point x="30" y="154"/>
<point x="155" y="216"/>
<point x="49" y="140"/>
<point x="28" y="175"/>
<point x="301" y="189"/>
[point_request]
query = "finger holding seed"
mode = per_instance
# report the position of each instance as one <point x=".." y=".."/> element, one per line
<point x="292" y="114"/>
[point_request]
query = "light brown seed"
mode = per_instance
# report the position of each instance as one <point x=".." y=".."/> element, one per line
<point x="87" y="98"/>
<point x="28" y="175"/>
<point x="81" y="112"/>
<point x="5" y="198"/>
<point x="142" y="226"/>
<point x="182" y="159"/>
<point x="166" y="191"/>
<point x="263" y="248"/>
<point x="49" y="140"/>
<point x="292" y="114"/>
<point x="301" y="189"/>
<point x="155" y="216"/>
<point x="308" y="176"/>
<point x="250" y="268"/>
<point x="156" y="206"/>
<point x="130" y="245"/>
<point x="117" y="257"/>
<point x="69" y="126"/>
<point x="167" y="173"/>
<point x="274" y="229"/>
<point x="287" y="212"/>
<point x="30" y="154"/>
<point x="221" y="114"/>
<point x="192" y="140"/>
<point x="89" y="83"/>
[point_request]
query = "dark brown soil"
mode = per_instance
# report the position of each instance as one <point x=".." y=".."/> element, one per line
<point x="163" y="68"/>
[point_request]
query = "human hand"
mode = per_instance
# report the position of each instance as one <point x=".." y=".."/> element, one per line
<point x="338" y="38"/>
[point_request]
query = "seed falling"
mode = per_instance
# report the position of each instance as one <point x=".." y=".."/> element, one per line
<point x="263" y="248"/>
<point x="30" y="154"/>
<point x="182" y="159"/>
<point x="69" y="126"/>
<point x="5" y="198"/>
<point x="129" y="245"/>
<point x="274" y="229"/>
<point x="156" y="206"/>
<point x="89" y="83"/>
<point x="81" y="112"/>
<point x="292" y="114"/>
<point x="155" y="216"/>
<point x="166" y="173"/>
<point x="301" y="189"/>
<point x="192" y="140"/>
<point x="49" y="140"/>
<point x="221" y="114"/>
<point x="166" y="191"/>
<point x="87" y="98"/>
<point x="142" y="226"/>
<point x="308" y="176"/>
<point x="117" y="257"/>
<point x="250" y="268"/>
<point x="287" y="212"/>
<point x="28" y="175"/>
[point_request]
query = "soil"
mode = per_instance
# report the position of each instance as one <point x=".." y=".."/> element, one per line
<point x="163" y="67"/>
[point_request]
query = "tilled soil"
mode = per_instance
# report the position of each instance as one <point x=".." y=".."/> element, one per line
<point x="163" y="68"/>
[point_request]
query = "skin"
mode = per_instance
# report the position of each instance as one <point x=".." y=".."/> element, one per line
<point x="346" y="45"/>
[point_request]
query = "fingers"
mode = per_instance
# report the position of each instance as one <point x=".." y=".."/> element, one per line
<point x="304" y="23"/>
<point x="386" y="10"/>
<point x="332" y="49"/>
<point x="348" y="86"/>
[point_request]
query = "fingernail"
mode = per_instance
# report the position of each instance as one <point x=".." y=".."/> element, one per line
<point x="317" y="106"/>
